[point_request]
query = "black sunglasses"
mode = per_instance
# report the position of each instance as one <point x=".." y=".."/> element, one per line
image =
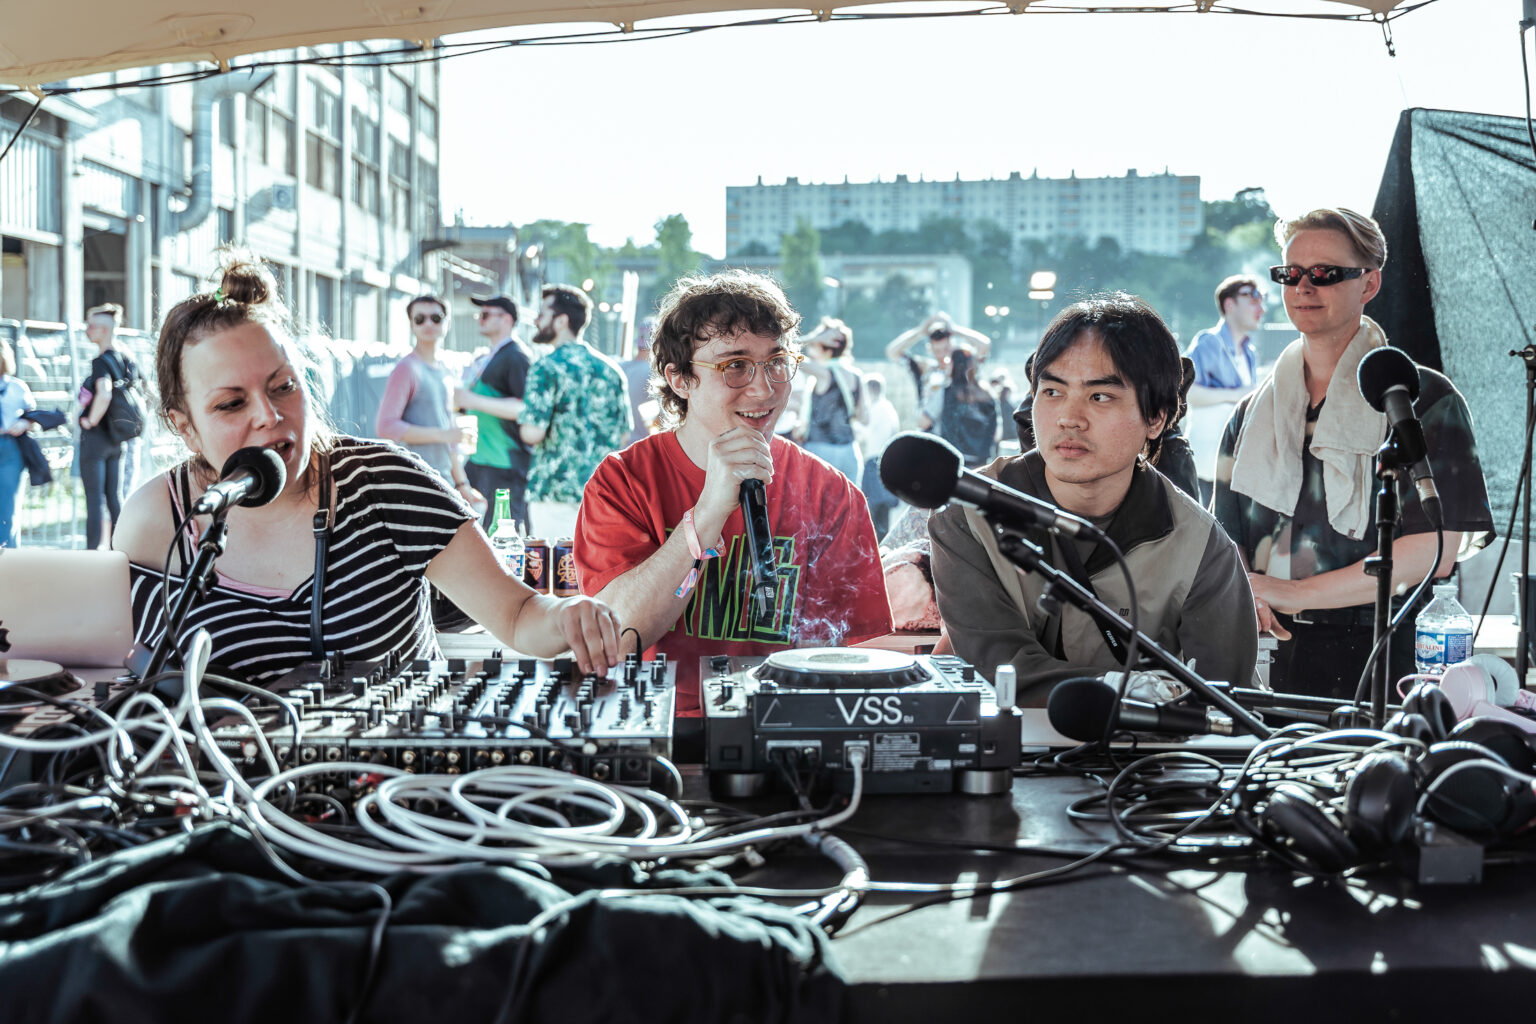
<point x="421" y="318"/>
<point x="1321" y="276"/>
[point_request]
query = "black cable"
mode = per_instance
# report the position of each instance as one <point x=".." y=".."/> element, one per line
<point x="39" y="105"/>
<point x="1364" y="682"/>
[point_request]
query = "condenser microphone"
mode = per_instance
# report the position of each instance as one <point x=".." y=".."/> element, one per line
<point x="928" y="472"/>
<point x="765" y="571"/>
<point x="250" y="477"/>
<point x="1079" y="709"/>
<point x="1389" y="380"/>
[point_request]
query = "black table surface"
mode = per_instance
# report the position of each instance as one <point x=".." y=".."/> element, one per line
<point x="1177" y="934"/>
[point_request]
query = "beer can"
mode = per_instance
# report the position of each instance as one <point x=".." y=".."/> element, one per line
<point x="536" y="565"/>
<point x="565" y="568"/>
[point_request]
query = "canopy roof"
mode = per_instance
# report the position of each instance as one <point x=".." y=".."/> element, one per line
<point x="46" y="42"/>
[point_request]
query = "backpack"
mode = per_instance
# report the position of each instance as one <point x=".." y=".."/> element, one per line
<point x="970" y="427"/>
<point x="125" y="414"/>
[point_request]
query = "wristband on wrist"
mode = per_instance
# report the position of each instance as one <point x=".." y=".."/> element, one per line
<point x="699" y="553"/>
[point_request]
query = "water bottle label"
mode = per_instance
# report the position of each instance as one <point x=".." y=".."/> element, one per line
<point x="1458" y="647"/>
<point x="514" y="562"/>
<point x="1428" y="648"/>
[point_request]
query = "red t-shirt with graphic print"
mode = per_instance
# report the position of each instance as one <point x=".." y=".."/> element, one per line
<point x="831" y="589"/>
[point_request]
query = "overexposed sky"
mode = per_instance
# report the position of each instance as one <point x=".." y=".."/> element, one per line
<point x="619" y="136"/>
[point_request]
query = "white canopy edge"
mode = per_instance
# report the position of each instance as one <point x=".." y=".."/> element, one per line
<point x="49" y="42"/>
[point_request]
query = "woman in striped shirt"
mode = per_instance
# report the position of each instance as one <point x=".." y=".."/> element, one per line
<point x="229" y="378"/>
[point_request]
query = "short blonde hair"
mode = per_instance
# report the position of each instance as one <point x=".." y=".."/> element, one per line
<point x="7" y="359"/>
<point x="1363" y="232"/>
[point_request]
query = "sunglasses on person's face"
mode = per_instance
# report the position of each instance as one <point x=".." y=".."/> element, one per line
<point x="1320" y="276"/>
<point x="421" y="318"/>
<point x="486" y="314"/>
<point x="1250" y="293"/>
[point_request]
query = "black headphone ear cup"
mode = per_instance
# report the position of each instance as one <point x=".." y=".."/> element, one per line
<point x="1412" y="725"/>
<point x="1506" y="739"/>
<point x="1427" y="699"/>
<point x="1475" y="801"/>
<point x="1379" y="801"/>
<point x="1298" y="823"/>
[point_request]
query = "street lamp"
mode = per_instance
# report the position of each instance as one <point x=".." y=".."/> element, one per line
<point x="831" y="282"/>
<point x="1042" y="284"/>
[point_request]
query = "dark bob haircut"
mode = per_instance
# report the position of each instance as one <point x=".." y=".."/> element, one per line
<point x="1139" y="344"/>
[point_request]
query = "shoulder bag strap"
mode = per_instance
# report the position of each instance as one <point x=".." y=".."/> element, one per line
<point x="322" y="528"/>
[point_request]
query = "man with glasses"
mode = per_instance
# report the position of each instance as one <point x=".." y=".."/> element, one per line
<point x="1295" y="483"/>
<point x="575" y="411"/>
<point x="660" y="534"/>
<point x="1224" y="361"/>
<point x="416" y="409"/>
<point x="495" y="396"/>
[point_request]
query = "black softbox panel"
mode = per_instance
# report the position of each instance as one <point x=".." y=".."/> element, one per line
<point x="1457" y="203"/>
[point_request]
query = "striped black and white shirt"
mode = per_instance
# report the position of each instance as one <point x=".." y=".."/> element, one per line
<point x="393" y="515"/>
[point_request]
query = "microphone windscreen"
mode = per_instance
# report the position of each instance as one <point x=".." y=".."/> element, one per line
<point x="1385" y="368"/>
<point x="266" y="466"/>
<point x="920" y="469"/>
<point x="1080" y="708"/>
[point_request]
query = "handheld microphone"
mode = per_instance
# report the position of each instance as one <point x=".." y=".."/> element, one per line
<point x="765" y="571"/>
<point x="1389" y="380"/>
<point x="250" y="477"/>
<point x="1080" y="708"/>
<point x="928" y="472"/>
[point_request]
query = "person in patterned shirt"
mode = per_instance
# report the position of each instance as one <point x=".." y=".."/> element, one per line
<point x="575" y="411"/>
<point x="1295" y="483"/>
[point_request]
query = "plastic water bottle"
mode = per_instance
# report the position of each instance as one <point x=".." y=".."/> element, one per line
<point x="1442" y="634"/>
<point x="507" y="536"/>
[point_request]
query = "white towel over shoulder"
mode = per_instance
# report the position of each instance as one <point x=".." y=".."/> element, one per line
<point x="1267" y="466"/>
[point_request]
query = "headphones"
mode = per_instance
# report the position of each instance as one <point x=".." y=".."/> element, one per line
<point x="1329" y="835"/>
<point x="1474" y="777"/>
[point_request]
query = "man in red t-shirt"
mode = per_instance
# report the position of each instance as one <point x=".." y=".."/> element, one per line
<point x="660" y="536"/>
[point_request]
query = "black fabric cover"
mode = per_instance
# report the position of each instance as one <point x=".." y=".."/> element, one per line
<point x="1457" y="202"/>
<point x="203" y="927"/>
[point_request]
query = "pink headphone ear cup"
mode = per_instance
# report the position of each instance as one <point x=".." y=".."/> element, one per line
<point x="1464" y="685"/>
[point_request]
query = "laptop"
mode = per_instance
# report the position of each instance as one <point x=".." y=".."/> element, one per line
<point x="69" y="607"/>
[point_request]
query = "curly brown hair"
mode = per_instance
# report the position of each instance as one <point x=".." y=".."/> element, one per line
<point x="700" y="309"/>
<point x="247" y="294"/>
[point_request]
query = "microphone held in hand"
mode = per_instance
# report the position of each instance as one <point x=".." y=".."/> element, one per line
<point x="928" y="472"/>
<point x="1079" y="709"/>
<point x="1389" y="380"/>
<point x="765" y="571"/>
<point x="251" y="477"/>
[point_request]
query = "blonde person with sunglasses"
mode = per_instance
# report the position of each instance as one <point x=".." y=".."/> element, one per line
<point x="1295" y="478"/>
<point x="660" y="535"/>
<point x="416" y="408"/>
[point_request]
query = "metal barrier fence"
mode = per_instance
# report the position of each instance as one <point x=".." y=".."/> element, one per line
<point x="55" y="361"/>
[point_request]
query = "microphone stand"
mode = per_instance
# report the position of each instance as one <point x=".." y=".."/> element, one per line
<point x="1028" y="556"/>
<point x="1523" y="635"/>
<point x="209" y="548"/>
<point x="1390" y="464"/>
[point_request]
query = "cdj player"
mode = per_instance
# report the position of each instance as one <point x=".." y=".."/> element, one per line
<point x="926" y="724"/>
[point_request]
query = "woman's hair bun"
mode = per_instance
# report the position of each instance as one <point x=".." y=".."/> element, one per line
<point x="246" y="280"/>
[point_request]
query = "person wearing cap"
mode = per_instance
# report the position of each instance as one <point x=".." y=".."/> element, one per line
<point x="931" y="372"/>
<point x="495" y="395"/>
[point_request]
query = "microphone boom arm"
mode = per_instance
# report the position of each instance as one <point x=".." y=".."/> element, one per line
<point x="1030" y="558"/>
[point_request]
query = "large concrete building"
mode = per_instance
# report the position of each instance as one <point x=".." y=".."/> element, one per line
<point x="329" y="172"/>
<point x="1152" y="214"/>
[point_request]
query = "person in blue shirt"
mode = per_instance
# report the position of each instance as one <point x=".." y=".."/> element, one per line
<point x="1225" y="370"/>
